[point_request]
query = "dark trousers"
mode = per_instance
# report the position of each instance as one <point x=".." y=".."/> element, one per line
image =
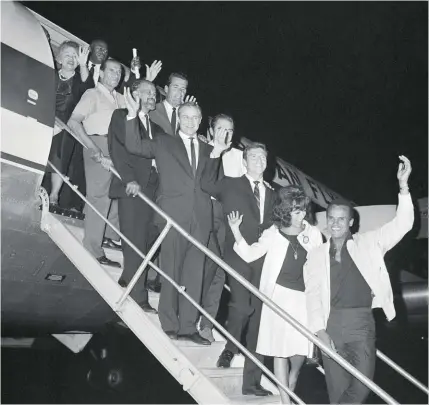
<point x="353" y="333"/>
<point x="214" y="276"/>
<point x="136" y="223"/>
<point x="245" y="312"/>
<point x="184" y="263"/>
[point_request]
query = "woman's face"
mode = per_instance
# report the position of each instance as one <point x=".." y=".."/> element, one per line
<point x="296" y="218"/>
<point x="68" y="59"/>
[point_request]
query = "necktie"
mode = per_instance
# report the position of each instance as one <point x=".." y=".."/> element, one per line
<point x="193" y="157"/>
<point x="256" y="194"/>
<point x="148" y="126"/>
<point x="173" y="121"/>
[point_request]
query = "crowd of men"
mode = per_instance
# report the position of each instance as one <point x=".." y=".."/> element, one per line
<point x="157" y="150"/>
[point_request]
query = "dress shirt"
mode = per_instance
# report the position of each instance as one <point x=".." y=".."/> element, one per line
<point x="169" y="109"/>
<point x="96" y="74"/>
<point x="97" y="106"/>
<point x="261" y="186"/>
<point x="142" y="116"/>
<point x="187" y="144"/>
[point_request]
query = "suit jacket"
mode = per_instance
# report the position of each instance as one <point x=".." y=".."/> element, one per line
<point x="236" y="194"/>
<point x="179" y="193"/>
<point x="367" y="251"/>
<point x="130" y="167"/>
<point x="159" y="116"/>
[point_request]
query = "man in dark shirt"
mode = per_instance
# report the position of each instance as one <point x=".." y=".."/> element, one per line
<point x="346" y="277"/>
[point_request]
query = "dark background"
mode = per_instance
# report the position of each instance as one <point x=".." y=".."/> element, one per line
<point x="339" y="89"/>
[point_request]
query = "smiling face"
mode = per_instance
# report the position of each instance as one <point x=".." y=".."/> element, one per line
<point x="176" y="91"/>
<point x="147" y="94"/>
<point x="189" y="119"/>
<point x="111" y="74"/>
<point x="99" y="52"/>
<point x="296" y="217"/>
<point x="339" y="220"/>
<point x="68" y="58"/>
<point x="256" y="162"/>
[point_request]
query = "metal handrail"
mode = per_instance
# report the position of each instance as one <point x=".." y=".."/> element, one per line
<point x="340" y="360"/>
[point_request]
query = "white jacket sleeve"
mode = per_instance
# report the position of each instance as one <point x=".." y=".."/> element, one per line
<point x="250" y="253"/>
<point x="313" y="279"/>
<point x="391" y="233"/>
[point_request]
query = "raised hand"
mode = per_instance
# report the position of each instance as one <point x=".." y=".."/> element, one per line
<point x="404" y="170"/>
<point x="190" y="99"/>
<point x="83" y="55"/>
<point x="153" y="70"/>
<point x="235" y="220"/>
<point x="221" y="140"/>
<point x="132" y="104"/>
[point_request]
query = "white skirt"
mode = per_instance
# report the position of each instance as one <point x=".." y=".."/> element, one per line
<point x="277" y="337"/>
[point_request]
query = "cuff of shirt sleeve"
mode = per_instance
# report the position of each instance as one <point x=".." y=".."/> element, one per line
<point x="129" y="118"/>
<point x="214" y="155"/>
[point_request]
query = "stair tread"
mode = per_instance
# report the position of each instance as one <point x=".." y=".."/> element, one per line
<point x="222" y="372"/>
<point x="253" y="399"/>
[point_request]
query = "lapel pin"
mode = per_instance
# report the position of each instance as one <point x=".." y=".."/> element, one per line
<point x="305" y="240"/>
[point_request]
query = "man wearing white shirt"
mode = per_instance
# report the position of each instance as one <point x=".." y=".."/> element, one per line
<point x="248" y="195"/>
<point x="180" y="161"/>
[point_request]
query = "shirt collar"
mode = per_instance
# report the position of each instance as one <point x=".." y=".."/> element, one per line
<point x="331" y="243"/>
<point x="103" y="88"/>
<point x="252" y="181"/>
<point x="185" y="137"/>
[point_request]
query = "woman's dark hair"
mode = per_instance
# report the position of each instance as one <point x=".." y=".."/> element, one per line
<point x="288" y="199"/>
<point x="215" y="119"/>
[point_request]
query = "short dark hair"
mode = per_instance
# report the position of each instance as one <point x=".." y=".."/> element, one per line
<point x="254" y="145"/>
<point x="135" y="86"/>
<point x="179" y="75"/>
<point x="216" y="118"/>
<point x="288" y="199"/>
<point x="99" y="40"/>
<point x="342" y="202"/>
<point x="103" y="65"/>
<point x="189" y="104"/>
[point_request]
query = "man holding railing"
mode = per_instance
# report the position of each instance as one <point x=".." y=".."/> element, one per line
<point x="346" y="277"/>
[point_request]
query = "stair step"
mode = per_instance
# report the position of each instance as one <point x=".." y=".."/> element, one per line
<point x="203" y="356"/>
<point x="253" y="399"/>
<point x="228" y="380"/>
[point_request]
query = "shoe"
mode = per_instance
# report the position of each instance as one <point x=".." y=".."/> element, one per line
<point x="122" y="283"/>
<point x="207" y="333"/>
<point x="122" y="324"/>
<point x="172" y="335"/>
<point x="196" y="338"/>
<point x="111" y="244"/>
<point x="107" y="262"/>
<point x="225" y="359"/>
<point x="257" y="390"/>
<point x="148" y="309"/>
<point x="155" y="287"/>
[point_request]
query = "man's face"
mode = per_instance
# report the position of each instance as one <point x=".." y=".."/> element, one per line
<point x="256" y="161"/>
<point x="99" y="52"/>
<point x="147" y="94"/>
<point x="223" y="123"/>
<point x="68" y="59"/>
<point x="111" y="74"/>
<point x="339" y="221"/>
<point x="176" y="91"/>
<point x="189" y="120"/>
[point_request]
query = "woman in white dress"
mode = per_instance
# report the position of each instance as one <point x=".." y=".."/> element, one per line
<point x="285" y="244"/>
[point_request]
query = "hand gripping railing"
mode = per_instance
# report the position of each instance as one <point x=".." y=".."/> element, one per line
<point x="304" y="331"/>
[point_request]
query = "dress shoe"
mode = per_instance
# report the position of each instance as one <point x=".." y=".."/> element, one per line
<point x="153" y="286"/>
<point x="207" y="333"/>
<point x="172" y="335"/>
<point x="111" y="244"/>
<point x="225" y="359"/>
<point x="122" y="283"/>
<point x="196" y="338"/>
<point x="146" y="307"/>
<point x="257" y="390"/>
<point x="107" y="262"/>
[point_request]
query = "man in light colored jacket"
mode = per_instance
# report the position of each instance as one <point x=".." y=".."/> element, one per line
<point x="346" y="277"/>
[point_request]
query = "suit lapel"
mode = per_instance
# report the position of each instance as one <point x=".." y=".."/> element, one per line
<point x="269" y="195"/>
<point x="164" y="115"/>
<point x="182" y="155"/>
<point x="203" y="152"/>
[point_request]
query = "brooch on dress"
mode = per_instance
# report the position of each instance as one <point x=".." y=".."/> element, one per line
<point x="305" y="239"/>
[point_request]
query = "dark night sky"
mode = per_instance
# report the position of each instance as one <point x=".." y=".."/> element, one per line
<point x="338" y="89"/>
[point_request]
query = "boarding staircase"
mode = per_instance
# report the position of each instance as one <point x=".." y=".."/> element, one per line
<point x="193" y="366"/>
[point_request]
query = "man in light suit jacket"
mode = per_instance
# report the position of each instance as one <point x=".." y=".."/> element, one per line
<point x="137" y="174"/>
<point x="249" y="195"/>
<point x="180" y="161"/>
<point x="346" y="277"/>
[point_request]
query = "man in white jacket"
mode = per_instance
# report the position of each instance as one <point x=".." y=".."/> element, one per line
<point x="346" y="277"/>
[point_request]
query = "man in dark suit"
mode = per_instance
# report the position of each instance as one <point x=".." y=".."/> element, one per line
<point x="166" y="113"/>
<point x="180" y="161"/>
<point x="250" y="196"/>
<point x="138" y="174"/>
